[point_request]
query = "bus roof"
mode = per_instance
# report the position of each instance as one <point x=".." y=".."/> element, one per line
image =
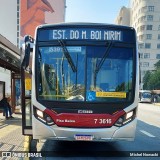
<point x="84" y="24"/>
<point x="145" y="91"/>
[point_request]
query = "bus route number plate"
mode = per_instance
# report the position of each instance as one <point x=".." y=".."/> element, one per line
<point x="83" y="137"/>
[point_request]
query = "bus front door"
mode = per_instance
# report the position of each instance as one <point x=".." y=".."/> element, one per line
<point x="26" y="103"/>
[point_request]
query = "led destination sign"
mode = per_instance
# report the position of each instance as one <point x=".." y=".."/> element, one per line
<point x="87" y="34"/>
<point x="84" y="34"/>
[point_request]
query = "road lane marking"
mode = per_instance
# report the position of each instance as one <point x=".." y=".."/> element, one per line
<point x="147" y="133"/>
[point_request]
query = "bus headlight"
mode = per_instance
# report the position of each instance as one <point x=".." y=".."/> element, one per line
<point x="128" y="117"/>
<point x="39" y="113"/>
<point x="43" y="117"/>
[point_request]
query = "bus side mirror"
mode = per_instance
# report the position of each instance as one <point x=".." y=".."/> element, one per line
<point x="26" y="47"/>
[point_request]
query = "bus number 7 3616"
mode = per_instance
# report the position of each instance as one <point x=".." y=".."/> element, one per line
<point x="103" y="121"/>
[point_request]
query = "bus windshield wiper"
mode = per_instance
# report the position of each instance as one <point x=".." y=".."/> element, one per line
<point x="98" y="67"/>
<point x="67" y="55"/>
<point x="106" y="53"/>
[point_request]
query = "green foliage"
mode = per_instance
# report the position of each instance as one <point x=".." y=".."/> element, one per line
<point x="157" y="65"/>
<point x="146" y="79"/>
<point x="152" y="80"/>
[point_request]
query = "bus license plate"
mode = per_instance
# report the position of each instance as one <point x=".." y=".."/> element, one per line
<point x="83" y="137"/>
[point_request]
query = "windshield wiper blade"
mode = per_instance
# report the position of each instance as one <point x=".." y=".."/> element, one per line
<point x="98" y="67"/>
<point x="67" y="55"/>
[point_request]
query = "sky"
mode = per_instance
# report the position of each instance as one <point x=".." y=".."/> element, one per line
<point x="98" y="11"/>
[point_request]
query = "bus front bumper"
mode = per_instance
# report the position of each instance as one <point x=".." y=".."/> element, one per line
<point x="126" y="132"/>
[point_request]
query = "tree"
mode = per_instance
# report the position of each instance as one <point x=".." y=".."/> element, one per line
<point x="146" y="79"/>
<point x="157" y="65"/>
<point x="154" y="81"/>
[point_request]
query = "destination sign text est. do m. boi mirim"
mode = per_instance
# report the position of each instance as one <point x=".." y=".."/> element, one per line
<point x="86" y="34"/>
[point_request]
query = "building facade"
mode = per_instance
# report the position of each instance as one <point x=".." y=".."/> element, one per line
<point x="124" y="16"/>
<point x="9" y="32"/>
<point x="21" y="17"/>
<point x="145" y="18"/>
<point x="36" y="12"/>
<point x="9" y="19"/>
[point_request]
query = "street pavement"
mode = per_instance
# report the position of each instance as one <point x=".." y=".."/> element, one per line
<point x="11" y="138"/>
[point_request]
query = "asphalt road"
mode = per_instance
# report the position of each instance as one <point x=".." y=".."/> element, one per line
<point x="147" y="141"/>
<point x="149" y="113"/>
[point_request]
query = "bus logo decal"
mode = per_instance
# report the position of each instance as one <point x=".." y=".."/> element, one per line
<point x="85" y="111"/>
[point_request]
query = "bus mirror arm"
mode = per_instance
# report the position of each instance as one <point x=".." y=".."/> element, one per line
<point x="28" y="70"/>
<point x="27" y="49"/>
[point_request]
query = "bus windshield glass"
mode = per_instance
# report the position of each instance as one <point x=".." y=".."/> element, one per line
<point x="85" y="73"/>
<point x="146" y="95"/>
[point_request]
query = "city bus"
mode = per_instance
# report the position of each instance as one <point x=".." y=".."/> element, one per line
<point x="80" y="82"/>
<point x="145" y="96"/>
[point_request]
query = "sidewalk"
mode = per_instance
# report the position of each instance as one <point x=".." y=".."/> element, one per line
<point x="11" y="138"/>
<point x="157" y="104"/>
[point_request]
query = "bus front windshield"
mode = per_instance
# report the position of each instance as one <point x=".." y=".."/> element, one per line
<point x="85" y="73"/>
<point x="146" y="95"/>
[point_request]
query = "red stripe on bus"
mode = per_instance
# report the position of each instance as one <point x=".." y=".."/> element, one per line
<point x="84" y="120"/>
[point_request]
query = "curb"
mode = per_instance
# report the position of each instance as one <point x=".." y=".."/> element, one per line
<point x="156" y="104"/>
<point x="27" y="142"/>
